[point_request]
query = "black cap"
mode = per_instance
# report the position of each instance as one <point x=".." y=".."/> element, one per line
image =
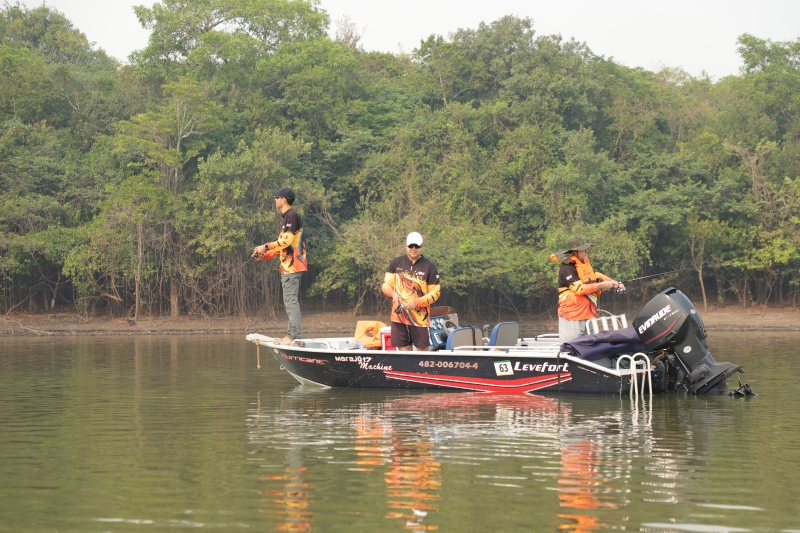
<point x="286" y="192"/>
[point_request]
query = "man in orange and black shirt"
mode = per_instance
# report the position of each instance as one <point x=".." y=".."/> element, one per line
<point x="578" y="288"/>
<point x="291" y="246"/>
<point x="412" y="282"/>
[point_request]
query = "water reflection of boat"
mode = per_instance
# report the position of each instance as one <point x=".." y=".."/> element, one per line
<point x="290" y="503"/>
<point x="668" y="337"/>
<point x="292" y="500"/>
<point x="589" y="454"/>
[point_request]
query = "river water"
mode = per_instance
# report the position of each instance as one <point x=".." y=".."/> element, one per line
<point x="154" y="433"/>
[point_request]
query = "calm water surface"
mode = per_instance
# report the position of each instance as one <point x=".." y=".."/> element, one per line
<point x="149" y="434"/>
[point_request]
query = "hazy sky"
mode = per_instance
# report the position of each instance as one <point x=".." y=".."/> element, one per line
<point x="698" y="35"/>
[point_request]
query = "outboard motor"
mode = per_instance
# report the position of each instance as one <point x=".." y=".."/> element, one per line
<point x="670" y="321"/>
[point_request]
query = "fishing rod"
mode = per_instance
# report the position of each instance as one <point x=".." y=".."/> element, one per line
<point x="400" y="310"/>
<point x="656" y="275"/>
<point x="237" y="269"/>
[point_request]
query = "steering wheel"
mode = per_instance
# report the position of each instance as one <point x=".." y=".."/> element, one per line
<point x="449" y="326"/>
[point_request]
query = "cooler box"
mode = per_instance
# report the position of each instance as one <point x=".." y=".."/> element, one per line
<point x="386" y="338"/>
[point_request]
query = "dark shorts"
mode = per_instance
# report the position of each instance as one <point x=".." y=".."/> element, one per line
<point x="418" y="335"/>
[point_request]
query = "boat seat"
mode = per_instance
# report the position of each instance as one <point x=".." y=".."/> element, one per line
<point x="505" y="334"/>
<point x="467" y="336"/>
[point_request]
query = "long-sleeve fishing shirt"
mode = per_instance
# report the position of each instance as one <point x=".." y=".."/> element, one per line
<point x="290" y="244"/>
<point x="577" y="292"/>
<point x="412" y="281"/>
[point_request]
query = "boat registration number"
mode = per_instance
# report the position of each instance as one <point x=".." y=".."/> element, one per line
<point x="447" y="364"/>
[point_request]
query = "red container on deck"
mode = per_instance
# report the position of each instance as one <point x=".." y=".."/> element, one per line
<point x="386" y="339"/>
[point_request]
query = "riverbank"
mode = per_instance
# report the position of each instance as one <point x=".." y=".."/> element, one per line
<point x="315" y="323"/>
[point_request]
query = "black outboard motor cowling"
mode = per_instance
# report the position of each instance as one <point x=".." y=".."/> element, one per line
<point x="670" y="321"/>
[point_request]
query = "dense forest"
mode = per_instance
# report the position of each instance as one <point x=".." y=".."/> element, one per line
<point x="142" y="188"/>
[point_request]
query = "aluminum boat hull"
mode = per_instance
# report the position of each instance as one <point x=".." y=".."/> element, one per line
<point x="544" y="370"/>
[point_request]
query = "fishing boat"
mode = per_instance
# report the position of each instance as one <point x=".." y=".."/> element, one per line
<point x="665" y="350"/>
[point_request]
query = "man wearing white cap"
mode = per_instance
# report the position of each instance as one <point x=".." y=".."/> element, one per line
<point x="412" y="282"/>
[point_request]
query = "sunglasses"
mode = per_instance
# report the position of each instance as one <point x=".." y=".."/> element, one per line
<point x="415" y="246"/>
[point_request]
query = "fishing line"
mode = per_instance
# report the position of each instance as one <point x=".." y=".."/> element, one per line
<point x="656" y="275"/>
<point x="234" y="271"/>
<point x="398" y="311"/>
<point x="237" y="269"/>
<point x="408" y="316"/>
<point x="361" y="376"/>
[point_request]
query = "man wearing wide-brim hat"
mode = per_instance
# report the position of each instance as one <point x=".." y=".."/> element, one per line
<point x="578" y="288"/>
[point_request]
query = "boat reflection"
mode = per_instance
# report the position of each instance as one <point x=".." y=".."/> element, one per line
<point x="586" y="453"/>
<point x="415" y="474"/>
<point x="290" y="504"/>
<point x="413" y="479"/>
<point x="292" y="500"/>
<point x="579" y="484"/>
<point x="411" y="473"/>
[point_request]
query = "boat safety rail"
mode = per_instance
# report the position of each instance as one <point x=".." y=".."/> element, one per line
<point x="593" y="325"/>
<point x="258" y="340"/>
<point x="635" y="360"/>
<point x="304" y="343"/>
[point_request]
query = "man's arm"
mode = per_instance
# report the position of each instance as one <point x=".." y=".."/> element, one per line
<point x="388" y="286"/>
<point x="261" y="254"/>
<point x="434" y="289"/>
<point x="271" y="249"/>
<point x="428" y="299"/>
<point x="283" y="241"/>
<point x="580" y="288"/>
<point x="608" y="282"/>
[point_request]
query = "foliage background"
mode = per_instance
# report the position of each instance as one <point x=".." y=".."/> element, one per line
<point x="142" y="188"/>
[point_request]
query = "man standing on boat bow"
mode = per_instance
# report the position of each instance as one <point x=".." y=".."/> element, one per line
<point x="412" y="282"/>
<point x="578" y="288"/>
<point x="291" y="247"/>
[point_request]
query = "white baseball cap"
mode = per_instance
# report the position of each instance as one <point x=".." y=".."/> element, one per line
<point x="414" y="238"/>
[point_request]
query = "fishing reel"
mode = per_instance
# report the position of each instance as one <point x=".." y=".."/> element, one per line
<point x="401" y="311"/>
<point x="617" y="289"/>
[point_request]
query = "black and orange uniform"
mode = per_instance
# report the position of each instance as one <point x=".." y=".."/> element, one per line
<point x="577" y="295"/>
<point x="412" y="281"/>
<point x="417" y="282"/>
<point x="290" y="244"/>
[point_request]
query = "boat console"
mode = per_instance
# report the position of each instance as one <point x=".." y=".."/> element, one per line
<point x="444" y="320"/>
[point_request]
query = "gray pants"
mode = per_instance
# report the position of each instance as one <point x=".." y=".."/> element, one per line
<point x="570" y="329"/>
<point x="291" y="302"/>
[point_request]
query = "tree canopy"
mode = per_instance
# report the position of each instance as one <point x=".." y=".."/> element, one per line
<point x="150" y="182"/>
